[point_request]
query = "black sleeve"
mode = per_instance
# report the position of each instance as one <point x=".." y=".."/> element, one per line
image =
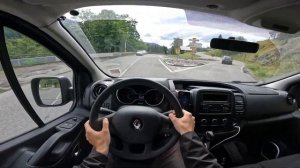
<point x="93" y="160"/>
<point x="195" y="154"/>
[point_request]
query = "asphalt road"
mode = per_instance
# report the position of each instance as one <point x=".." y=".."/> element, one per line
<point x="153" y="66"/>
<point x="14" y="120"/>
<point x="51" y="96"/>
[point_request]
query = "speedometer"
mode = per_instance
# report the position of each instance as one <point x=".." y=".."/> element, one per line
<point x="153" y="97"/>
<point x="126" y="95"/>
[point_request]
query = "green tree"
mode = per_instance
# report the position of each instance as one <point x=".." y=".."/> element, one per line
<point x="21" y="46"/>
<point x="241" y="38"/>
<point x="156" y="48"/>
<point x="110" y="32"/>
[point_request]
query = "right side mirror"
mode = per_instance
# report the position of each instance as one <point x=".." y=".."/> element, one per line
<point x="52" y="91"/>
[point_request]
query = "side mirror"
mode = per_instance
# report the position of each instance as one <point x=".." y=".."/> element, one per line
<point x="51" y="91"/>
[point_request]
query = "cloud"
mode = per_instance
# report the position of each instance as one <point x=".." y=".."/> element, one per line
<point x="179" y="34"/>
<point x="147" y="35"/>
<point x="177" y="20"/>
<point x="184" y="34"/>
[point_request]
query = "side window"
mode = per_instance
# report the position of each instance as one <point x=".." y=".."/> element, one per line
<point x="14" y="120"/>
<point x="31" y="60"/>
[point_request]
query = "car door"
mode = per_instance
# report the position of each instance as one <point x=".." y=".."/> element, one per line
<point x="41" y="110"/>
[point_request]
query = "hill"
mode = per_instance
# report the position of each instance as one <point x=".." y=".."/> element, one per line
<point x="274" y="58"/>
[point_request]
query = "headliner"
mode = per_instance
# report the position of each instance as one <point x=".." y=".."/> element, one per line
<point x="44" y="12"/>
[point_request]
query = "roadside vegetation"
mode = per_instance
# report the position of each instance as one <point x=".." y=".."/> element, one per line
<point x="187" y="55"/>
<point x="275" y="57"/>
<point x="103" y="32"/>
<point x="111" y="32"/>
<point x="21" y="46"/>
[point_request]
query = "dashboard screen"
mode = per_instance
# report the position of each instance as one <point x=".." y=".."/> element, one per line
<point x="215" y="97"/>
<point x="184" y="99"/>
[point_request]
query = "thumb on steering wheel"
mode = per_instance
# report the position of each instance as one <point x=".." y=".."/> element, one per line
<point x="105" y="125"/>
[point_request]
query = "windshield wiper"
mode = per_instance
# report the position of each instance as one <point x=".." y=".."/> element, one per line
<point x="236" y="81"/>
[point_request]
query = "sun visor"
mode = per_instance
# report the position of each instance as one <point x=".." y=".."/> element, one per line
<point x="284" y="20"/>
<point x="197" y="18"/>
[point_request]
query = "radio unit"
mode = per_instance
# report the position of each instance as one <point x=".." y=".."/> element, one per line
<point x="211" y="107"/>
<point x="215" y="102"/>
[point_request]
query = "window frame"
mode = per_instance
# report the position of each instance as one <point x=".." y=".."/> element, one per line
<point x="33" y="32"/>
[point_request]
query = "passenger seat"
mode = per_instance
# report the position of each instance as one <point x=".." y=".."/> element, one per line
<point x="291" y="161"/>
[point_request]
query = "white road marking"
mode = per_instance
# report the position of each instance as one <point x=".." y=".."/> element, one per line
<point x="129" y="67"/>
<point x="165" y="66"/>
<point x="114" y="69"/>
<point x="56" y="99"/>
<point x="189" y="68"/>
<point x="242" y="69"/>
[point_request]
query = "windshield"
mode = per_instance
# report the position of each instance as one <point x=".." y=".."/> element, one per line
<point x="145" y="41"/>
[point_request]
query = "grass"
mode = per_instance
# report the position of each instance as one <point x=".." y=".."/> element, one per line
<point x="220" y="53"/>
<point x="215" y="53"/>
<point x="187" y="55"/>
<point x="259" y="70"/>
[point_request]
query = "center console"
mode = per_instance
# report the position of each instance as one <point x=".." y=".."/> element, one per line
<point x="215" y="109"/>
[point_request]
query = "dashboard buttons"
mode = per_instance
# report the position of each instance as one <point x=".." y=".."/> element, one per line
<point x="214" y="121"/>
<point x="224" y="121"/>
<point x="203" y="121"/>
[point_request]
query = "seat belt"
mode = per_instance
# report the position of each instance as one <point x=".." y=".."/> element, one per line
<point x="233" y="152"/>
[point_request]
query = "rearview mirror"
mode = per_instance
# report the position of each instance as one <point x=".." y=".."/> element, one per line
<point x="234" y="45"/>
<point x="51" y="91"/>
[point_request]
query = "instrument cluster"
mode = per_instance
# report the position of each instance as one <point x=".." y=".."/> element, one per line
<point x="139" y="95"/>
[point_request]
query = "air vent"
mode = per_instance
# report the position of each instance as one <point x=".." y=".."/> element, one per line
<point x="98" y="89"/>
<point x="239" y="105"/>
<point x="235" y="91"/>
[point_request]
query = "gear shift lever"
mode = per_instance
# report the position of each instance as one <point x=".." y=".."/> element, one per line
<point x="209" y="135"/>
<point x="207" y="138"/>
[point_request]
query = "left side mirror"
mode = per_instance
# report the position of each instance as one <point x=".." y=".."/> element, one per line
<point x="51" y="91"/>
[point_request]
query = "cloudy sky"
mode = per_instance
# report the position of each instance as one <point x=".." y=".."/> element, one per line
<point x="161" y="25"/>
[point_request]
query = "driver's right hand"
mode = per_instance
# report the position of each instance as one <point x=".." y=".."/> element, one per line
<point x="184" y="124"/>
<point x="99" y="139"/>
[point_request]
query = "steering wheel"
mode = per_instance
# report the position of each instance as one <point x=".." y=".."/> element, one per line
<point x="137" y="132"/>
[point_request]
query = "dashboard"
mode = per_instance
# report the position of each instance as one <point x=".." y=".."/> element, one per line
<point x="217" y="107"/>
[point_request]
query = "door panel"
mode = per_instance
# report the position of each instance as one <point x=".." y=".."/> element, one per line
<point x="60" y="145"/>
<point x="55" y="144"/>
<point x="47" y="141"/>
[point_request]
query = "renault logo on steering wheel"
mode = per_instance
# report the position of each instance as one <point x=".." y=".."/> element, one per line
<point x="137" y="124"/>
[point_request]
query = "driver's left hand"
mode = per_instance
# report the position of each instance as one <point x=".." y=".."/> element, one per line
<point x="99" y="139"/>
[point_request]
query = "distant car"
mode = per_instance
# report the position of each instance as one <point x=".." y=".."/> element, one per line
<point x="227" y="60"/>
<point x="141" y="52"/>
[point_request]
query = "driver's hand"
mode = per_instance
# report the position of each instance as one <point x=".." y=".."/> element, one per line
<point x="184" y="124"/>
<point x="99" y="139"/>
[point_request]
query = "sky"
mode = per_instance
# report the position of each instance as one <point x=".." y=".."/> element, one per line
<point x="161" y="25"/>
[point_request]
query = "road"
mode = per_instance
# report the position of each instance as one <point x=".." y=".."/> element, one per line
<point x="154" y="66"/>
<point x="14" y="120"/>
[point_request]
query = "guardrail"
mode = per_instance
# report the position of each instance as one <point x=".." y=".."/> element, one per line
<point x="52" y="59"/>
<point x="34" y="61"/>
<point x="108" y="55"/>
